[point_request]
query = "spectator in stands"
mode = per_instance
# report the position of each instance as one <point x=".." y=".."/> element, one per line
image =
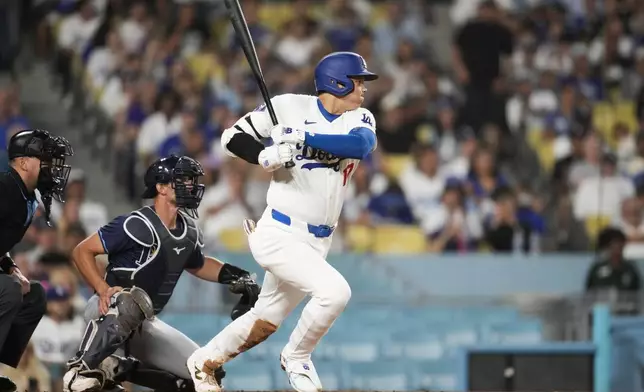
<point x="91" y="214"/>
<point x="423" y="183"/>
<point x="47" y="240"/>
<point x="59" y="334"/>
<point x="390" y="206"/>
<point x="612" y="271"/>
<point x="485" y="176"/>
<point x="501" y="225"/>
<point x="120" y="88"/>
<point x="30" y="375"/>
<point x="299" y="43"/>
<point x="66" y="276"/>
<point x="224" y="204"/>
<point x="631" y="222"/>
<point x="603" y="194"/>
<point x="73" y="235"/>
<point x="452" y="225"/>
<point x="460" y="166"/>
<point x="589" y="165"/>
<point x="166" y="121"/>
<point x="359" y="193"/>
<point x="76" y="31"/>
<point x="477" y="53"/>
<point x="190" y="141"/>
<point x="105" y="61"/>
<point x="398" y="25"/>
<point x="634" y="163"/>
<point x="135" y="29"/>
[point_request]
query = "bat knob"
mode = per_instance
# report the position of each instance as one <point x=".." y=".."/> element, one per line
<point x="289" y="164"/>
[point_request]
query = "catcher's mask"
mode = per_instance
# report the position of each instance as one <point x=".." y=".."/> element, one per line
<point x="52" y="152"/>
<point x="183" y="174"/>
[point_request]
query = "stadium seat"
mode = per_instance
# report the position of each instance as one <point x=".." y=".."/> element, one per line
<point x="359" y="238"/>
<point x="594" y="224"/>
<point x="248" y="376"/>
<point x="414" y="346"/>
<point x="204" y="66"/>
<point x="381" y="375"/>
<point x="234" y="240"/>
<point x="399" y="239"/>
<point x="518" y="332"/>
<point x="433" y="375"/>
<point x="395" y="164"/>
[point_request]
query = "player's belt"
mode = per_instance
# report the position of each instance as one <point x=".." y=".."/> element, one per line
<point x="321" y="231"/>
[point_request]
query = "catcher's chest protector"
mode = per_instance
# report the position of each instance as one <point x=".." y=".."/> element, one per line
<point x="159" y="274"/>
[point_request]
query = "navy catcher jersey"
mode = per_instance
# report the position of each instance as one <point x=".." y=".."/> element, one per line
<point x="143" y="252"/>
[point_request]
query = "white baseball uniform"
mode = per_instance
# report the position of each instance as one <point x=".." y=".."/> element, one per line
<point x="300" y="200"/>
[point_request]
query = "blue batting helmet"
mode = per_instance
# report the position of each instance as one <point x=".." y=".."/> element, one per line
<point x="334" y="72"/>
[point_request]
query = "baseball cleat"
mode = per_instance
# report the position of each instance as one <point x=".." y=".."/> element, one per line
<point x="301" y="375"/>
<point x="203" y="373"/>
<point x="82" y="381"/>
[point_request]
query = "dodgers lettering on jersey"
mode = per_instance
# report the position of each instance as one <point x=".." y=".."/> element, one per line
<point x="314" y="190"/>
<point x="126" y="254"/>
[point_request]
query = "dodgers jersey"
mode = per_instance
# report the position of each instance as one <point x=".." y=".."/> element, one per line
<point x="314" y="190"/>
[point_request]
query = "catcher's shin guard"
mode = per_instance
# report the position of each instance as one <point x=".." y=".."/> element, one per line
<point x="133" y="371"/>
<point x="103" y="336"/>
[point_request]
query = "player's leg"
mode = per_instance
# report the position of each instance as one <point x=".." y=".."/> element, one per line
<point x="276" y="301"/>
<point x="103" y="336"/>
<point x="302" y="265"/>
<point x="162" y="352"/>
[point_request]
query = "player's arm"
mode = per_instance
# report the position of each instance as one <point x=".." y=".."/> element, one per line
<point x="357" y="144"/>
<point x="211" y="269"/>
<point x="109" y="239"/>
<point x="214" y="270"/>
<point x="244" y="140"/>
<point x="84" y="258"/>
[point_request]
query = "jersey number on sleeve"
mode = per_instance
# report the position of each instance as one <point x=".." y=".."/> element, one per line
<point x="347" y="173"/>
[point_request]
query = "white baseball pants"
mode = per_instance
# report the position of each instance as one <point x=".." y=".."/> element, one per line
<point x="295" y="266"/>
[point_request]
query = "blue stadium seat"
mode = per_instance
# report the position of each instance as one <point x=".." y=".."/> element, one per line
<point x="433" y="375"/>
<point x="518" y="332"/>
<point x="381" y="375"/>
<point x="248" y="376"/>
<point x="413" y="346"/>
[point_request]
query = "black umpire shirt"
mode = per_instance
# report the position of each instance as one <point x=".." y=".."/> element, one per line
<point x="17" y="209"/>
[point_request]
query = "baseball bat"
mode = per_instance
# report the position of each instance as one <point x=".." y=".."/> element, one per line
<point x="241" y="28"/>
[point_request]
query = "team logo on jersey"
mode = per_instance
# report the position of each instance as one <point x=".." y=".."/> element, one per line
<point x="324" y="159"/>
<point x="367" y="120"/>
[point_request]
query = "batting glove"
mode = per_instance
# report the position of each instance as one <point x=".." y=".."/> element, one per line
<point x="281" y="134"/>
<point x="273" y="157"/>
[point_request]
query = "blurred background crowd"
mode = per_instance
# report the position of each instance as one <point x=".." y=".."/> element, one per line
<point x="510" y="126"/>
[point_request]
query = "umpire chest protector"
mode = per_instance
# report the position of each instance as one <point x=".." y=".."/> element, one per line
<point x="167" y="254"/>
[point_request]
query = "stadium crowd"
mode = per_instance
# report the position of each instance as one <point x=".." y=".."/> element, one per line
<point x="533" y="140"/>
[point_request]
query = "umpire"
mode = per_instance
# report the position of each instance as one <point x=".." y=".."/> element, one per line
<point x="37" y="161"/>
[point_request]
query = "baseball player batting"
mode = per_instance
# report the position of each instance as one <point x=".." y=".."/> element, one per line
<point x="148" y="250"/>
<point x="326" y="136"/>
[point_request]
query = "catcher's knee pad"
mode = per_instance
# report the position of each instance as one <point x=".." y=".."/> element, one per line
<point x="103" y="336"/>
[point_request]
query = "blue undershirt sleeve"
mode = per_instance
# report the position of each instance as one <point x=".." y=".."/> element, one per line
<point x="357" y="144"/>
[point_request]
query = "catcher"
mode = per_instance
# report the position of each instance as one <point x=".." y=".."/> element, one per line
<point x="148" y="250"/>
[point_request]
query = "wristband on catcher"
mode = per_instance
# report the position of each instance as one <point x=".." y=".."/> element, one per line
<point x="229" y="274"/>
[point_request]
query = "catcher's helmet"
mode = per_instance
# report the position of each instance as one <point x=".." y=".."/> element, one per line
<point x="183" y="174"/>
<point x="51" y="151"/>
<point x="334" y="72"/>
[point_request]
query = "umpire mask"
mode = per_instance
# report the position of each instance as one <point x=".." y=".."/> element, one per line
<point x="185" y="181"/>
<point x="52" y="152"/>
